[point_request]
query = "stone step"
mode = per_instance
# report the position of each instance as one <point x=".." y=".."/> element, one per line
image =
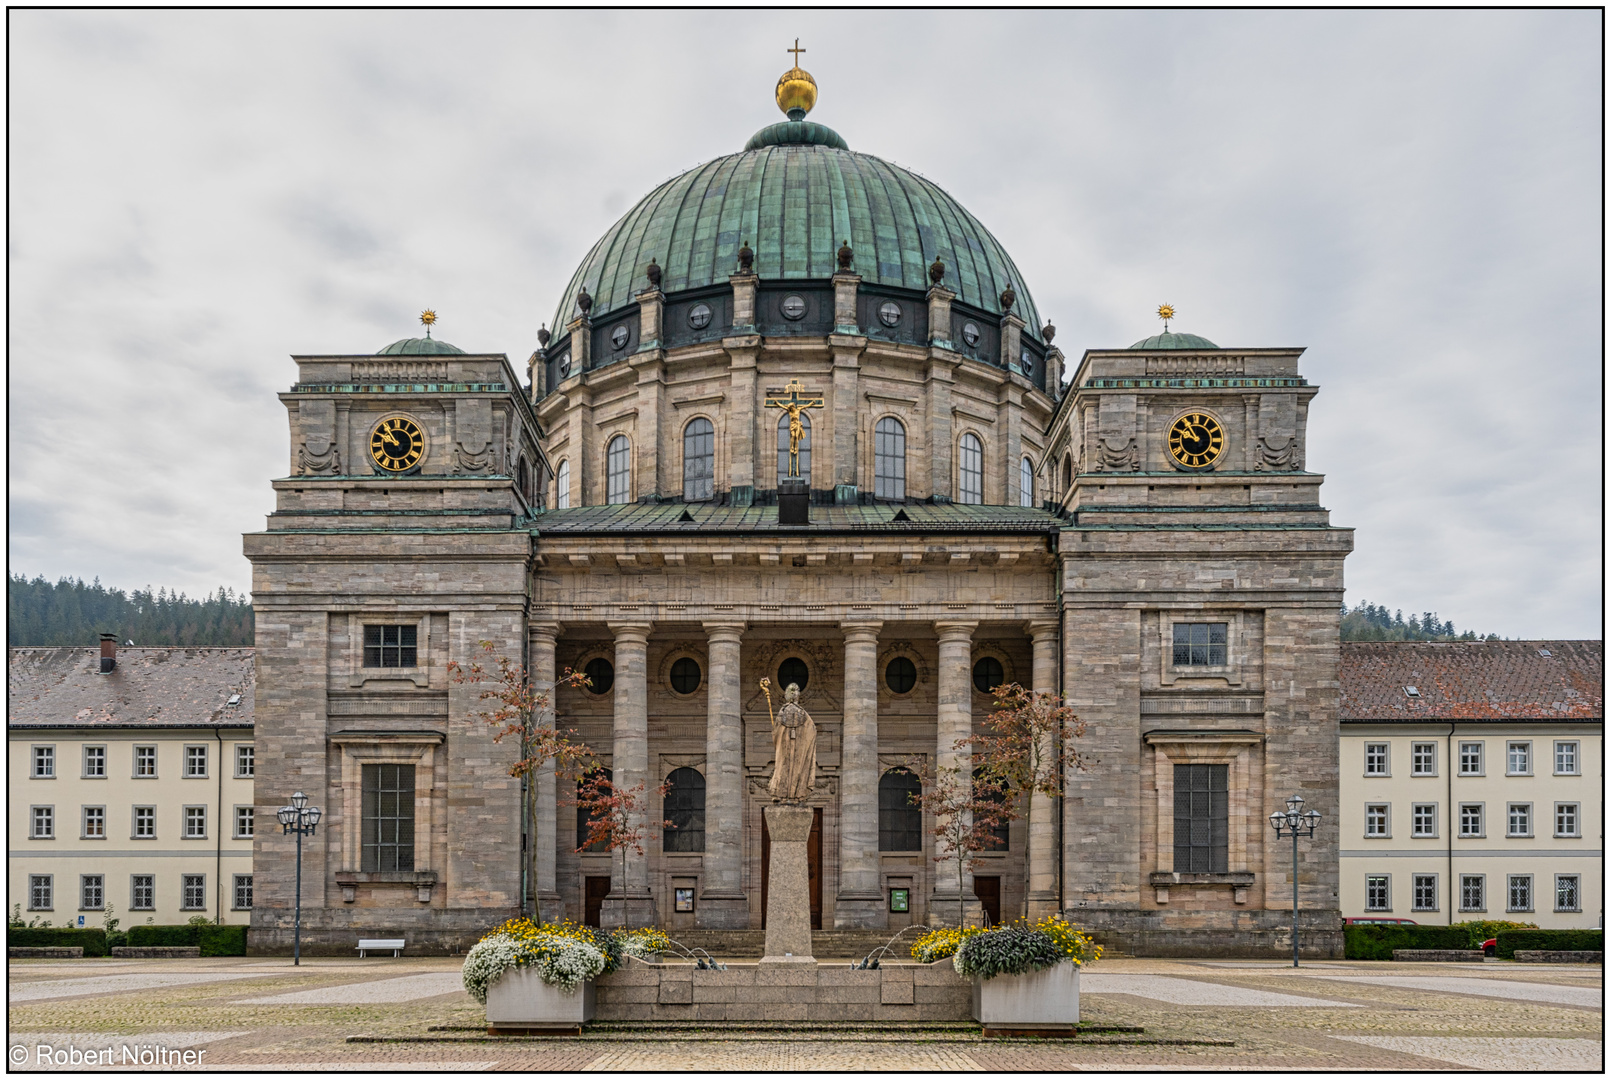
<point x="835" y="944"/>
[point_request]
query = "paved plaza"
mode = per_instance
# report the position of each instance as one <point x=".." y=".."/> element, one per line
<point x="350" y="1015"/>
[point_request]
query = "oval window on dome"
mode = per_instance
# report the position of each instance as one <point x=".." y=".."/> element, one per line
<point x="889" y="313"/>
<point x="970" y="333"/>
<point x="699" y="316"/>
<point x="564" y="365"/>
<point x="794" y="306"/>
<point x="618" y="337"/>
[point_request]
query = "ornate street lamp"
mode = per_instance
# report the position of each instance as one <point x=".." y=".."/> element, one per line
<point x="301" y="819"/>
<point x="1295" y="823"/>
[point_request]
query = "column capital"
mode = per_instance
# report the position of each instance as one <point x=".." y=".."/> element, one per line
<point x="724" y="628"/>
<point x="627" y="631"/>
<point x="861" y="629"/>
<point x="549" y="630"/>
<point x="955" y="631"/>
<point x="1041" y="628"/>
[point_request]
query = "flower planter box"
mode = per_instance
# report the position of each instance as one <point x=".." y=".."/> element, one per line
<point x="521" y="1001"/>
<point x="1042" y="1002"/>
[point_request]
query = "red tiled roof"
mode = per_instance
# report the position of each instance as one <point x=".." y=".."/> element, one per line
<point x="1472" y="680"/>
<point x="63" y="687"/>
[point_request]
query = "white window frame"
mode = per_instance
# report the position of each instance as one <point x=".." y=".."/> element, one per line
<point x="1575" y="750"/>
<point x="1481" y="830"/>
<point x="85" y="815"/>
<point x="1026" y="482"/>
<point x="1525" y="747"/>
<point x="249" y="814"/>
<point x="1510" y="820"/>
<point x="42" y="754"/>
<point x="184" y="892"/>
<point x="185" y="819"/>
<point x="1480" y="770"/>
<point x="134" y="904"/>
<point x="1416" y="883"/>
<point x="1384" y="767"/>
<point x="150" y="816"/>
<point x="889" y="484"/>
<point x="235" y="893"/>
<point x="84" y="888"/>
<point x="562" y="486"/>
<point x="1430" y="750"/>
<point x="1482" y="890"/>
<point x="694" y="487"/>
<point x="97" y="751"/>
<point x="135" y="764"/>
<point x="1420" y="813"/>
<point x="190" y="756"/>
<point x="1378" y="821"/>
<point x="970" y="469"/>
<point x="618" y="493"/>
<point x="1510" y="892"/>
<point x="1577" y="820"/>
<point x="49" y="890"/>
<point x="49" y="818"/>
<point x="245" y="754"/>
<point x="1386" y="886"/>
<point x="1577" y="891"/>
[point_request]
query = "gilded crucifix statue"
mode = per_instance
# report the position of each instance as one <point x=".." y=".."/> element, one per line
<point x="792" y="405"/>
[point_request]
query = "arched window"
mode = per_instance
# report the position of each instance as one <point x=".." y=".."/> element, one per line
<point x="970" y="470"/>
<point x="562" y="486"/>
<point x="685" y="809"/>
<point x="1026" y="483"/>
<point x="900" y="824"/>
<point x="698" y="460"/>
<point x="618" y="471"/>
<point x="994" y="794"/>
<point x="889" y="459"/>
<point x="583" y="818"/>
<point x="523" y="474"/>
<point x="1068" y="473"/>
<point x="805" y="447"/>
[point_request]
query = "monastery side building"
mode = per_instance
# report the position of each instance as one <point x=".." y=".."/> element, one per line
<point x="800" y="419"/>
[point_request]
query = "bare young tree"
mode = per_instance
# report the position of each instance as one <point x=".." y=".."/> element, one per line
<point x="968" y="807"/>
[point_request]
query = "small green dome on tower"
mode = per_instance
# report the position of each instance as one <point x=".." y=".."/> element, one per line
<point x="422" y="346"/>
<point x="1168" y="340"/>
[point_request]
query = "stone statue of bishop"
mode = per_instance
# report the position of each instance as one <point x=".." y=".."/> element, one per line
<point x="794" y="750"/>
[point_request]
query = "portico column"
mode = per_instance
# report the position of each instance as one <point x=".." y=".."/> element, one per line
<point x="721" y="903"/>
<point x="545" y="835"/>
<point x="954" y="721"/>
<point x="628" y="902"/>
<point x="1043" y="810"/>
<point x="860" y="903"/>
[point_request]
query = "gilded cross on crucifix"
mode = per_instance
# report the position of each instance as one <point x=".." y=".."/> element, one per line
<point x="792" y="405"/>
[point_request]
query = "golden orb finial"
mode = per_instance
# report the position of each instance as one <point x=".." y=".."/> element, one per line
<point x="1166" y="312"/>
<point x="797" y="90"/>
<point x="428" y="317"/>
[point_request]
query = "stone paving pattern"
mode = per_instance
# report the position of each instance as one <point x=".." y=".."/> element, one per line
<point x="1442" y="1025"/>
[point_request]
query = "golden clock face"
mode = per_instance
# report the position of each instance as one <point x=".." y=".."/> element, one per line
<point x="1196" y="441"/>
<point x="397" y="444"/>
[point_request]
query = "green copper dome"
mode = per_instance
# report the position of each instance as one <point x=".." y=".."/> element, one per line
<point x="420" y="346"/>
<point x="794" y="194"/>
<point x="1175" y="341"/>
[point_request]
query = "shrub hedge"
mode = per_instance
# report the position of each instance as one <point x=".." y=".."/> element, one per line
<point x="1509" y="941"/>
<point x="1378" y="942"/>
<point x="214" y="940"/>
<point x="91" y="939"/>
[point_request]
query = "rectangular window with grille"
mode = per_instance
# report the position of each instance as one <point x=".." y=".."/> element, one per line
<point x="388" y="818"/>
<point x="1376" y="817"/>
<point x="194" y="892"/>
<point x="44" y="762"/>
<point x="1200" y="644"/>
<point x="1566" y="758"/>
<point x="94" y="762"/>
<point x="243" y="892"/>
<point x="195" y="823"/>
<point x="391" y="646"/>
<point x="1471" y="819"/>
<point x="245" y="822"/>
<point x="1521" y="892"/>
<point x="1375" y="759"/>
<point x="245" y="761"/>
<point x="1519" y="758"/>
<point x="1425" y="887"/>
<point x="1424" y="819"/>
<point x="196" y="762"/>
<point x="41" y="892"/>
<point x="1202" y="819"/>
<point x="44" y="823"/>
<point x="584" y="819"/>
<point x="1472" y="892"/>
<point x="900" y="822"/>
<point x="1566" y="892"/>
<point x="1566" y="819"/>
<point x="1378" y="895"/>
<point x="142" y="892"/>
<point x="1520" y="821"/>
<point x="145" y="822"/>
<point x="145" y="762"/>
<point x="1471" y="759"/>
<point x="1424" y="759"/>
<point x="92" y="892"/>
<point x="94" y="823"/>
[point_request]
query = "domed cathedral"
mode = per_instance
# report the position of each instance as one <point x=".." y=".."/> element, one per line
<point x="798" y="419"/>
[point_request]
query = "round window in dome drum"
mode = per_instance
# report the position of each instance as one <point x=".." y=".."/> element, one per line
<point x="600" y="675"/>
<point x="1026" y="363"/>
<point x="618" y="337"/>
<point x="794" y="306"/>
<point x="987" y="674"/>
<point x="699" y="316"/>
<point x="970" y="333"/>
<point x="685" y="675"/>
<point x="792" y="670"/>
<point x="901" y="675"/>
<point x="564" y="365"/>
<point x="889" y="313"/>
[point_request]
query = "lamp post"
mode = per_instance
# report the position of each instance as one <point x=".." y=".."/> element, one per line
<point x="301" y="819"/>
<point x="1295" y="823"/>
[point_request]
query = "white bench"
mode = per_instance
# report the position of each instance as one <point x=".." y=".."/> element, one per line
<point x="394" y="944"/>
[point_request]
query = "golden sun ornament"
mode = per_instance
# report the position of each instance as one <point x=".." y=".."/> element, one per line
<point x="1166" y="312"/>
<point x="427" y="316"/>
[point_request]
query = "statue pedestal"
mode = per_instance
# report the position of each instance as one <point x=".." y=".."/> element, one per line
<point x="788" y="899"/>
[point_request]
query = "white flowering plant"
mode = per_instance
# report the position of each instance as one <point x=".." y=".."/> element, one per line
<point x="563" y="955"/>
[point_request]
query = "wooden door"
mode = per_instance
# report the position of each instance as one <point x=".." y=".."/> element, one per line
<point x="597" y="889"/>
<point x="813" y="867"/>
<point x="988" y="890"/>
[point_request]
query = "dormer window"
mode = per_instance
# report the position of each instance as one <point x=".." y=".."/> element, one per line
<point x="1412" y="691"/>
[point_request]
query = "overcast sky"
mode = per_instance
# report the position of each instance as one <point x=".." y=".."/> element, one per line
<point x="1413" y="196"/>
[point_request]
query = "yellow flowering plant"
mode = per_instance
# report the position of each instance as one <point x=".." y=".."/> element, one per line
<point x="1072" y="942"/>
<point x="942" y="942"/>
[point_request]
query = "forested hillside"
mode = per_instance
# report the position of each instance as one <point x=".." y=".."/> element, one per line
<point x="70" y="612"/>
<point x="1372" y="622"/>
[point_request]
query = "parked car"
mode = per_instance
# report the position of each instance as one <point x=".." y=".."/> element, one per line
<point x="1490" y="946"/>
<point x="1369" y="920"/>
